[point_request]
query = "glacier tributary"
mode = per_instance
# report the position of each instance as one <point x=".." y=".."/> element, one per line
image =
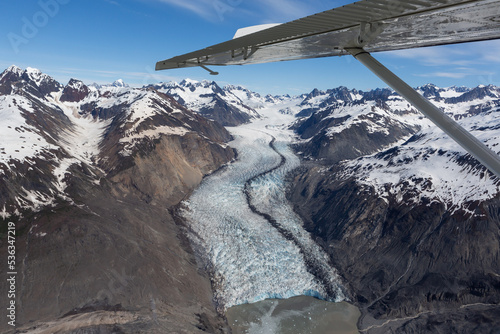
<point x="257" y="251"/>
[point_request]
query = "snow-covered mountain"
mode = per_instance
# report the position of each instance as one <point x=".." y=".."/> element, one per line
<point x="376" y="137"/>
<point x="90" y="173"/>
<point x="208" y="99"/>
<point x="387" y="144"/>
<point x="410" y="219"/>
<point x="47" y="128"/>
<point x="230" y="105"/>
<point x="284" y="103"/>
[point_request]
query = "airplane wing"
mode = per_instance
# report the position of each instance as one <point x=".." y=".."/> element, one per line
<point x="358" y="29"/>
<point x="374" y="25"/>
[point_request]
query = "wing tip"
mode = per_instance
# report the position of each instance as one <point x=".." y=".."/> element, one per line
<point x="165" y="65"/>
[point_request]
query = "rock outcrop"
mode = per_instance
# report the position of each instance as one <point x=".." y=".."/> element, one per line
<point x="403" y="260"/>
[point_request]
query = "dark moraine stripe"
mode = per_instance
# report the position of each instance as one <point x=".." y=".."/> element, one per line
<point x="312" y="265"/>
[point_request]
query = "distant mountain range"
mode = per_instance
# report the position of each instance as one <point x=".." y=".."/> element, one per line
<point x="386" y="141"/>
<point x="90" y="174"/>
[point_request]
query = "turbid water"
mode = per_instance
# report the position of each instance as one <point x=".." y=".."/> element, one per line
<point x="297" y="315"/>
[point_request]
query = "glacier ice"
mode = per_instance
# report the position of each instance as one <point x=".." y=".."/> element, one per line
<point x="248" y="258"/>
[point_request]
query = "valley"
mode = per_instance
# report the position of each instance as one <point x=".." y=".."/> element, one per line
<point x="162" y="208"/>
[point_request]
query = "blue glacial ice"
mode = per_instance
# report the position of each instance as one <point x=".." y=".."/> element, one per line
<point x="249" y="259"/>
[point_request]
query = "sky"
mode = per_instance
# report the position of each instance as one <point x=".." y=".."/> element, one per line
<point x="105" y="40"/>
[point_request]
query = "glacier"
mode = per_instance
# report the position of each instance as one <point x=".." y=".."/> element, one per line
<point x="248" y="258"/>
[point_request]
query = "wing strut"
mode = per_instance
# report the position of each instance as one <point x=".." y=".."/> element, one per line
<point x="209" y="70"/>
<point x="470" y="143"/>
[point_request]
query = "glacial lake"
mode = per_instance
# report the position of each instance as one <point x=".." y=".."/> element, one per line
<point x="296" y="315"/>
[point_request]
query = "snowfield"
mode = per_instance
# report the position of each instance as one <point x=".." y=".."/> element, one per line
<point x="20" y="141"/>
<point x="430" y="166"/>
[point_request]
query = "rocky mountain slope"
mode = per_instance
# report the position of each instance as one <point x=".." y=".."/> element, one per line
<point x="410" y="220"/>
<point x="88" y="176"/>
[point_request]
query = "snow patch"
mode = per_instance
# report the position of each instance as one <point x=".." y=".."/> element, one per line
<point x="427" y="167"/>
<point x="20" y="141"/>
<point x="155" y="133"/>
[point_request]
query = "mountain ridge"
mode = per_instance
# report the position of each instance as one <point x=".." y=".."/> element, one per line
<point x="88" y="180"/>
<point x="409" y="219"/>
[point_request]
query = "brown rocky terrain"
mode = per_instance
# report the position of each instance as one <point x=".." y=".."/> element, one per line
<point x="104" y="254"/>
<point x="420" y="264"/>
<point x="114" y="253"/>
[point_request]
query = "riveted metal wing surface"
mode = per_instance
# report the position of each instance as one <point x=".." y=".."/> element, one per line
<point x="374" y="25"/>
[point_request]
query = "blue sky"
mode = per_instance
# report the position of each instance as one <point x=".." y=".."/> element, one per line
<point x="104" y="40"/>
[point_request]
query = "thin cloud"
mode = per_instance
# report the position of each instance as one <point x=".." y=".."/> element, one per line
<point x="209" y="10"/>
<point x="452" y="75"/>
<point x="467" y="54"/>
<point x="112" y="2"/>
<point x="458" y="73"/>
<point x="277" y="11"/>
<point x="437" y="56"/>
<point x="280" y="11"/>
<point x="490" y="50"/>
<point x="139" y="78"/>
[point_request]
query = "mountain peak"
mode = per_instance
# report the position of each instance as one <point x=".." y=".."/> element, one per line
<point x="40" y="83"/>
<point x="238" y="87"/>
<point x="430" y="91"/>
<point x="33" y="71"/>
<point x="166" y="84"/>
<point x="36" y="75"/>
<point x="187" y="82"/>
<point x="14" y="69"/>
<point x="11" y="73"/>
<point x="39" y="78"/>
<point x="194" y="83"/>
<point x="75" y="83"/>
<point x="75" y="91"/>
<point x="119" y="83"/>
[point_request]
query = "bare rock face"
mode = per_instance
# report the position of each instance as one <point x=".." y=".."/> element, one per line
<point x="404" y="260"/>
<point x="226" y="114"/>
<point x="179" y="174"/>
<point x="91" y="189"/>
<point x="75" y="91"/>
